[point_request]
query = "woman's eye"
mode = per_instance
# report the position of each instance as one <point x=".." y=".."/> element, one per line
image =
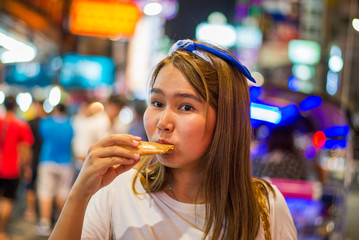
<point x="157" y="104"/>
<point x="186" y="108"/>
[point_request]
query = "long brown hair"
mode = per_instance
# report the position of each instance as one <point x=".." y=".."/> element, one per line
<point x="231" y="194"/>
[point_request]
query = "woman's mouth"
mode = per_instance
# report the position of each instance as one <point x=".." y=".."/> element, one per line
<point x="162" y="141"/>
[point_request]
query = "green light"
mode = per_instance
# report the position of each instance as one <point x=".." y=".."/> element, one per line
<point x="217" y="18"/>
<point x="304" y="52"/>
<point x="303" y="72"/>
<point x="306" y="87"/>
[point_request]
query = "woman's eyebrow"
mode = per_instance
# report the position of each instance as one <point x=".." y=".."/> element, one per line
<point x="156" y="90"/>
<point x="177" y="95"/>
<point x="188" y="95"/>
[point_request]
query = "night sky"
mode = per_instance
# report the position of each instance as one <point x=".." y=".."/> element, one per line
<point x="192" y="12"/>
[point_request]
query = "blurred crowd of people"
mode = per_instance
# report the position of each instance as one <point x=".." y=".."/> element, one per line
<point x="46" y="153"/>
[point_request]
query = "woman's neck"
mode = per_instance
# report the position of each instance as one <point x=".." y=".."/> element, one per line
<point x="185" y="187"/>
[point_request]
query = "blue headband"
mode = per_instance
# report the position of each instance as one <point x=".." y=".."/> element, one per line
<point x="191" y="46"/>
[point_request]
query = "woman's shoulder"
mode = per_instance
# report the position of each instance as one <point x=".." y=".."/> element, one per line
<point x="282" y="225"/>
<point x="280" y="219"/>
<point x="276" y="198"/>
<point x="266" y="188"/>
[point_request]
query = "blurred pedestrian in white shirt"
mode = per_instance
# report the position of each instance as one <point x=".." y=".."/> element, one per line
<point x="90" y="124"/>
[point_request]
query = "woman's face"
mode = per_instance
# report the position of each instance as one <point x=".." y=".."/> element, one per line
<point x="178" y="115"/>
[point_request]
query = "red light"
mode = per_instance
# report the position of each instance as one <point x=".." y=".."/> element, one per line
<point x="319" y="139"/>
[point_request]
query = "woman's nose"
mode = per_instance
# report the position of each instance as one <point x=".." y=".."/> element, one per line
<point x="165" y="122"/>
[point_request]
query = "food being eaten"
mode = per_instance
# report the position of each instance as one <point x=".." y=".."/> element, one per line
<point x="151" y="148"/>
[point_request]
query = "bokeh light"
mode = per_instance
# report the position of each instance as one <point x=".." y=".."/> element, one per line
<point x="319" y="139"/>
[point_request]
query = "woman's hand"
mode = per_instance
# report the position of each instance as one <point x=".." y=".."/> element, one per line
<point x="105" y="161"/>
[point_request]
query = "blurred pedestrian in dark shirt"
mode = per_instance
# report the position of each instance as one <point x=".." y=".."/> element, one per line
<point x="282" y="159"/>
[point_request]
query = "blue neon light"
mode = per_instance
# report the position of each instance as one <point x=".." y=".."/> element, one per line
<point x="310" y="152"/>
<point x="310" y="103"/>
<point x="87" y="71"/>
<point x="29" y="74"/>
<point x="337" y="131"/>
<point x="294" y="83"/>
<point x="289" y="113"/>
<point x="305" y="208"/>
<point x="265" y="113"/>
<point x="335" y="143"/>
<point x="254" y="93"/>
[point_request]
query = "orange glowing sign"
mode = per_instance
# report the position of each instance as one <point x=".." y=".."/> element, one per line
<point x="103" y="18"/>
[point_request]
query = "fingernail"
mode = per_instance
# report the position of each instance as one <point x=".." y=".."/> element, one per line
<point x="136" y="137"/>
<point x="136" y="155"/>
<point x="136" y="142"/>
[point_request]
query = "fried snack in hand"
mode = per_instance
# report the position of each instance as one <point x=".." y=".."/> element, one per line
<point x="151" y="148"/>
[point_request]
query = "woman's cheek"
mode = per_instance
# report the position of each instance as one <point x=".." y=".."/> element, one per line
<point x="148" y="122"/>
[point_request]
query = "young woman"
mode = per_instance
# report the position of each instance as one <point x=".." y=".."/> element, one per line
<point x="201" y="189"/>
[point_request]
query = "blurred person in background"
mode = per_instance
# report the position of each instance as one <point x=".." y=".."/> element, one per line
<point x="90" y="125"/>
<point x="15" y="150"/>
<point x="30" y="213"/>
<point x="282" y="159"/>
<point x="56" y="168"/>
<point x="114" y="105"/>
<point x="137" y="127"/>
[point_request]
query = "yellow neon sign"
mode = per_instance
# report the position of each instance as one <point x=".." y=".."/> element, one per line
<point x="103" y="18"/>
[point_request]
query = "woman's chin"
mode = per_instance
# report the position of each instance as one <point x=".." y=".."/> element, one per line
<point x="166" y="160"/>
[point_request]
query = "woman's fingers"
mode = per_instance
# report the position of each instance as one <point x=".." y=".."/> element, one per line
<point x="114" y="161"/>
<point x="108" y="153"/>
<point x="118" y="139"/>
<point x="115" y="151"/>
<point x="106" y="160"/>
<point x="101" y="164"/>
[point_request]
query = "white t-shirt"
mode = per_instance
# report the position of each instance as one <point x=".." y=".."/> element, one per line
<point x="88" y="130"/>
<point x="115" y="212"/>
